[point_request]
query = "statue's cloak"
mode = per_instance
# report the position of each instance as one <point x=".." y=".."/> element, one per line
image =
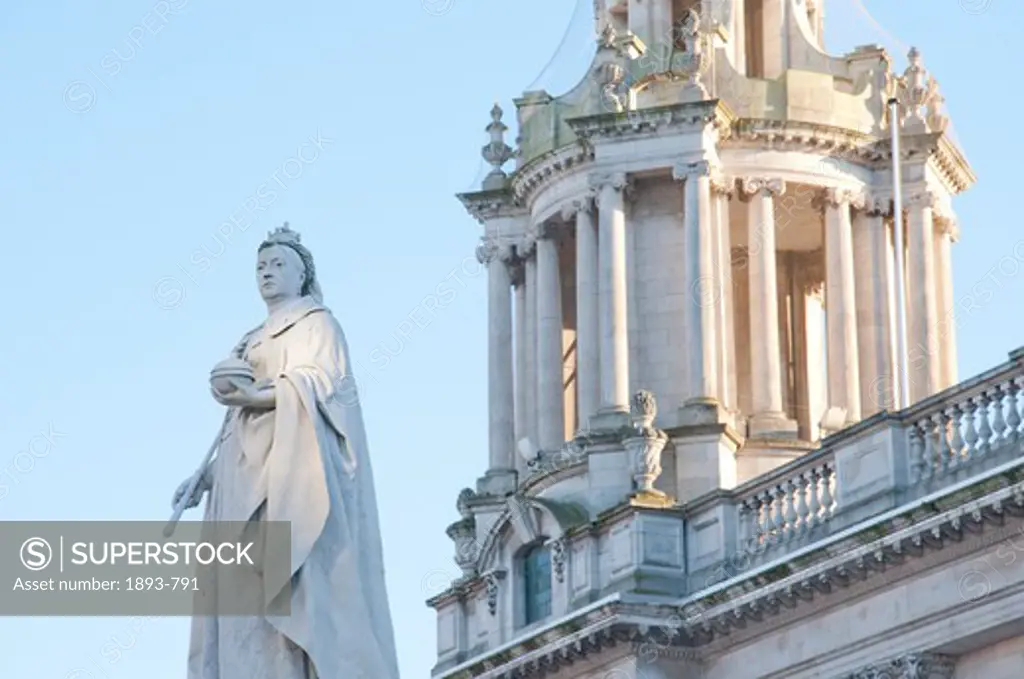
<point x="305" y="462"/>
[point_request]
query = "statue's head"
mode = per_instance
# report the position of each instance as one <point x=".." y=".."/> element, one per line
<point x="284" y="267"/>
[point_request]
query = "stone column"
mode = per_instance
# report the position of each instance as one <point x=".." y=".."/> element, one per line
<point x="945" y="234"/>
<point x="701" y="404"/>
<point x="923" y="360"/>
<point x="519" y="281"/>
<point x="875" y="311"/>
<point x="725" y="337"/>
<point x="767" y="417"/>
<point x="614" y="340"/>
<point x="588" y="358"/>
<point x="528" y="251"/>
<point x="500" y="475"/>
<point x="841" y="305"/>
<point x="550" y="404"/>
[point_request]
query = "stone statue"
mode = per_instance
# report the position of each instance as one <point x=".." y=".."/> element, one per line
<point x="293" y="449"/>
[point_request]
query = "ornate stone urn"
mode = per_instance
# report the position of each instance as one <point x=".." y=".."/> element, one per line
<point x="644" y="445"/>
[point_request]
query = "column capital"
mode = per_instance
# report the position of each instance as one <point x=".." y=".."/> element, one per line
<point x="527" y="244"/>
<point x="491" y="249"/>
<point x="921" y="199"/>
<point x="583" y="203"/>
<point x="910" y="666"/>
<point x="549" y="231"/>
<point x="698" y="168"/>
<point x="722" y="184"/>
<point x="811" y="268"/>
<point x="754" y="185"/>
<point x="618" y="181"/>
<point x="877" y="204"/>
<point x="835" y="197"/>
<point x="947" y="224"/>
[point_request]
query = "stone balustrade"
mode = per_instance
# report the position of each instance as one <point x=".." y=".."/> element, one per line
<point x="962" y="427"/>
<point x="967" y="432"/>
<point x="778" y="510"/>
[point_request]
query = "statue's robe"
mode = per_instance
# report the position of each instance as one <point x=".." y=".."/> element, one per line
<point x="305" y="462"/>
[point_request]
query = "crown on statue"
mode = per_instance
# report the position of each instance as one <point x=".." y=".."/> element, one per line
<point x="284" y="235"/>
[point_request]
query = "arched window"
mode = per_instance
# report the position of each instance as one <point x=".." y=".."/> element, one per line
<point x="536" y="563"/>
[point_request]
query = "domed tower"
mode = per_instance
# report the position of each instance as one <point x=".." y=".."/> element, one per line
<point x="705" y="222"/>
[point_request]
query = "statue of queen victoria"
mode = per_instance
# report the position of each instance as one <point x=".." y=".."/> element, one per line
<point x="294" y="449"/>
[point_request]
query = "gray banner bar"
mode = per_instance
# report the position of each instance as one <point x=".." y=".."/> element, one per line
<point x="124" y="568"/>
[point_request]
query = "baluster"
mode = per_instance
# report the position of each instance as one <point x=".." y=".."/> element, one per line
<point x="956" y="444"/>
<point x="791" y="515"/>
<point x="984" y="429"/>
<point x="766" y="518"/>
<point x="918" y="470"/>
<point x="827" y="476"/>
<point x="971" y="432"/>
<point x="942" y="452"/>
<point x="802" y="510"/>
<point x="779" y="506"/>
<point x="814" y="490"/>
<point x="749" y="522"/>
<point x="929" y="457"/>
<point x="1013" y="418"/>
<point x="998" y="421"/>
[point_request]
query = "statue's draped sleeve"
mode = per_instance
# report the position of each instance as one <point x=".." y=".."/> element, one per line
<point x="310" y="412"/>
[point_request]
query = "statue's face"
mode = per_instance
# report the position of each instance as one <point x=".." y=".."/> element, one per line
<point x="279" y="273"/>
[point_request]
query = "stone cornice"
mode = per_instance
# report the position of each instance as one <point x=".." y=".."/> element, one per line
<point x="700" y="114"/>
<point x="548" y="167"/>
<point x="949" y="161"/>
<point x="837" y="142"/>
<point x="857" y="147"/>
<point x="491" y="204"/>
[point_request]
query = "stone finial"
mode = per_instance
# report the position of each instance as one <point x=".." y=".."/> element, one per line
<point x="693" y="36"/>
<point x="467" y="550"/>
<point x="918" y="90"/>
<point x="462" y="504"/>
<point x="606" y="38"/>
<point x="496" y="152"/>
<point x="644" y="446"/>
<point x="643" y="408"/>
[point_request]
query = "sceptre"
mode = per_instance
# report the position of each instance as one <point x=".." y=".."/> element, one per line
<point x="179" y="508"/>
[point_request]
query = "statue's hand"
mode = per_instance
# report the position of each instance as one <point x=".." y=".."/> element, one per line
<point x="197" y="495"/>
<point x="246" y="396"/>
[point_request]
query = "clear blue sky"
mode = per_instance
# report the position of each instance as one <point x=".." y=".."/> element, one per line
<point x="101" y="206"/>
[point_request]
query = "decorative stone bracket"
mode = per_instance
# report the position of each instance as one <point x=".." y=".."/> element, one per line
<point x="910" y="666"/>
<point x="492" y="583"/>
<point x="557" y="548"/>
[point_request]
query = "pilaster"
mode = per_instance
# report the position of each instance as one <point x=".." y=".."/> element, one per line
<point x="946" y="232"/>
<point x="550" y="402"/>
<point x="923" y="358"/>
